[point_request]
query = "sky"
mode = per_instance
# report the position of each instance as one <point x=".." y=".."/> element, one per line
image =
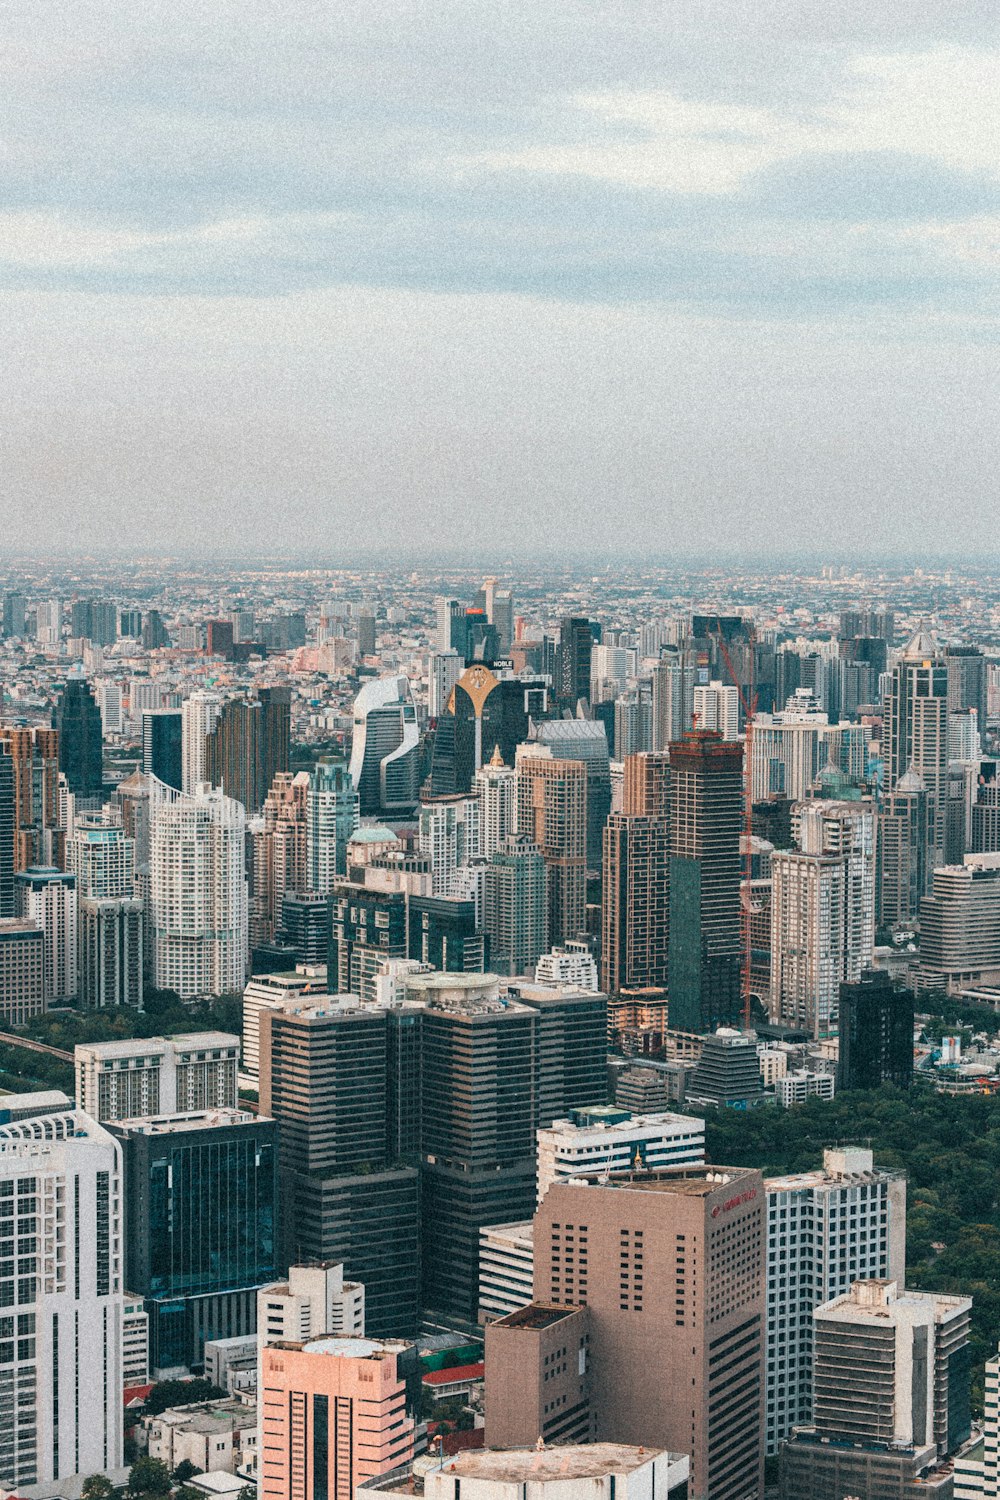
<point x="527" y="276"/>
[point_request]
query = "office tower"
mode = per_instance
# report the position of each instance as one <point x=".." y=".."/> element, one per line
<point x="633" y="721"/>
<point x="960" y="926"/>
<point x="448" y="834"/>
<point x="571" y="1031"/>
<point x="219" y="638"/>
<point x="249" y="744"/>
<point x="201" y="1221"/>
<point x="611" y="667"/>
<point x="161" y="745"/>
<point x="516" y="909"/>
<point x="645" y="785"/>
<point x="576" y="642"/>
<point x="306" y="925"/>
<point x="495" y="785"/>
<point x="197" y="892"/>
<point x="489" y="711"/>
<point x="706" y="814"/>
<point x="966" y="666"/>
<point x="606" y="1139"/>
<point x="880" y="623"/>
<point x="891" y="1395"/>
<point x="324" y="1075"/>
<point x="333" y="1413"/>
<point x="22" y="971"/>
<point x="385" y="751"/>
<point x="47" y="898"/>
<point x="444" y="670"/>
<point x="825" y="1230"/>
<point x="876" y="1033"/>
<point x="791" y="748"/>
<point x="672" y="1261"/>
<point x="501" y="615"/>
<point x="673" y="697"/>
<point x="94" y="620"/>
<point x="61" y="1382"/>
<point x="13" y="614"/>
<point x="274" y="991"/>
<point x="109" y="701"/>
<point x="372" y="924"/>
<point x="552" y="812"/>
<point x="728" y="1072"/>
<point x="154" y="632"/>
<point x="8" y="834"/>
<point x="963" y="735"/>
<point x="366" y="635"/>
<point x="985" y="819"/>
<point x="915" y="733"/>
<point x="718" y="707"/>
<point x="314" y="1300"/>
<point x="583" y="740"/>
<point x="635" y="915"/>
<point x="130" y="622"/>
<point x="77" y="720"/>
<point x="450" y="617"/>
<point x="279" y="847"/>
<point x="901" y="851"/>
<point x="199" y="715"/>
<point x="244" y="624"/>
<point x="157" y="1076"/>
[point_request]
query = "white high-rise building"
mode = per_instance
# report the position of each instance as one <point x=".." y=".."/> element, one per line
<point x="717" y="706"/>
<point x="605" y="1139"/>
<point x="573" y="964"/>
<point x="506" y="1269"/>
<point x="673" y="697"/>
<point x="448" y="833"/>
<point x="443" y="671"/>
<point x="198" y="891"/>
<point x="199" y="714"/>
<point x="61" y="1315"/>
<point x="103" y="861"/>
<point x="159" y="1076"/>
<point x="109" y="701"/>
<point x="47" y="897"/>
<point x="274" y="992"/>
<point x="825" y="1229"/>
<point x="977" y="1469"/>
<point x="315" y="1300"/>
<point x="496" y="786"/>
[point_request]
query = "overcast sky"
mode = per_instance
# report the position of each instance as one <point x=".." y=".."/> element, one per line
<point x="500" y="275"/>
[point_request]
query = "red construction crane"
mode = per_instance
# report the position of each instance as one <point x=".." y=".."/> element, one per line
<point x="748" y="703"/>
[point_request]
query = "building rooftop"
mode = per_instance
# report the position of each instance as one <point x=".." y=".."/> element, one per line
<point x="190" y="1041"/>
<point x="538" y="1315"/>
<point x="687" y="1181"/>
<point x="573" y="1461"/>
<point x="346" y="1348"/>
<point x="206" y="1119"/>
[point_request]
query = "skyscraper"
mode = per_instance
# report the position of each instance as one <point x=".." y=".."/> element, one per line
<point x="915" y="734"/>
<point x="876" y="1033"/>
<point x="706" y="811"/>
<point x="198" y="892"/>
<point x="902" y="850"/>
<point x="161" y="745"/>
<point x="8" y="840"/>
<point x="552" y="813"/>
<point x="385" y="750"/>
<point x="673" y="696"/>
<point x="14" y="605"/>
<point x="249" y="744"/>
<point x="488" y="710"/>
<point x="47" y="897"/>
<point x="110" y="920"/>
<point x="516" y="908"/>
<point x="584" y="740"/>
<point x="22" y="970"/>
<point x="495" y="785"/>
<point x="61" y="1334"/>
<point x="576" y="642"/>
<point x="77" y="720"/>
<point x="717" y="706"/>
<point x="635" y="894"/>
<point x="448" y="834"/>
<point x="199" y="714"/>
<point x="280" y="853"/>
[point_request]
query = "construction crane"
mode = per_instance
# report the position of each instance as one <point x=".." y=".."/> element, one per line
<point x="748" y="910"/>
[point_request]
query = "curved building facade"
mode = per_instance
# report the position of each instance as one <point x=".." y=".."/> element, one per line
<point x="385" y="751"/>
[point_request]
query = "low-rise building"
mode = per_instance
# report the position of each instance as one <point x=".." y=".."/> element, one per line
<point x="797" y="1087"/>
<point x="601" y="1471"/>
<point x="212" y="1435"/>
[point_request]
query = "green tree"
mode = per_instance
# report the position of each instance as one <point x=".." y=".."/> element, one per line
<point x="97" y="1487"/>
<point x="149" y="1476"/>
<point x="169" y="1393"/>
<point x="185" y="1470"/>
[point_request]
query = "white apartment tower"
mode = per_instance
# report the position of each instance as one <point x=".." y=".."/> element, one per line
<point x="496" y="786"/>
<point x="159" y="1076"/>
<point x="198" y="891"/>
<point x="315" y="1300"/>
<point x="198" y="718"/>
<point x="717" y="706"/>
<point x="448" y="833"/>
<point x="825" y="1230"/>
<point x="61" y="1316"/>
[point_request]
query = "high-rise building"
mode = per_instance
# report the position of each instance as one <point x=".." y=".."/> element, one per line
<point x="102" y="858"/>
<point x="495" y="784"/>
<point x="706" y="812"/>
<point x="960" y="926"/>
<point x="314" y="1300"/>
<point x="280" y="853"/>
<point x="198" y="892"/>
<point x="901" y="851"/>
<point x="891" y="1395"/>
<point x="576" y="642"/>
<point x="607" y="1139"/>
<point x="633" y="720"/>
<point x="915" y="733"/>
<point x="306" y="925"/>
<point x="584" y="740"/>
<point x="201" y="1220"/>
<point x="333" y="1413"/>
<point x="443" y="671"/>
<point x="22" y="971"/>
<point x="161" y="745"/>
<point x="876" y="1033"/>
<point x="249" y="744"/>
<point x="77" y="721"/>
<point x="825" y="1230"/>
<point x="366" y="634"/>
<point x="448" y="833"/>
<point x="34" y="752"/>
<point x="61" y="1326"/>
<point x="516" y="908"/>
<point x="672" y="1261"/>
<point x="154" y="632"/>
<point x="332" y="816"/>
<point x="728" y="1072"/>
<point x="112" y="947"/>
<point x="8" y="839"/>
<point x="635" y="894"/>
<point x="14" y="605"/>
<point x="966" y="667"/>
<point x="673" y="697"/>
<point x="645" y="785"/>
<point x="158" y="1076"/>
<point x="199" y="715"/>
<point x="717" y="706"/>
<point x="47" y="897"/>
<point x="488" y="710"/>
<point x="977" y="1468"/>
<point x="876" y="623"/>
<point x="552" y="812"/>
<point x="385" y="751"/>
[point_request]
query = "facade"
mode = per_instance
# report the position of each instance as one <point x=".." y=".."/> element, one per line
<point x="671" y="1263"/>
<point x="960" y="925"/>
<point x="135" y="1342"/>
<point x="673" y="696"/>
<point x="280" y="861"/>
<point x="315" y="1300"/>
<point x="333" y="1413"/>
<point x="332" y="805"/>
<point x="506" y="1269"/>
<point x="38" y="837"/>
<point x="876" y="1033"/>
<point x="706" y="812"/>
<point x="199" y="715"/>
<point x="583" y="740"/>
<point x="572" y="964"/>
<point x="385" y="750"/>
<point x="111" y="951"/>
<point x="515" y="906"/>
<point x="825" y="1230"/>
<point x="728" y="1073"/>
<point x="201" y="1226"/>
<point x="273" y="992"/>
<point x="607" y="1139"/>
<point x="22" y="970"/>
<point x="61" y="1331"/>
<point x="915" y="733"/>
<point x="903" y="844"/>
<point x="76" y="719"/>
<point x="47" y="898"/>
<point x="198" y="892"/>
<point x="161" y="1076"/>
<point x="495" y="784"/>
<point x="103" y="860"/>
<point x="977" y="1469"/>
<point x="552" y="813"/>
<point x="448" y="833"/>
<point x="8" y="839"/>
<point x="717" y="707"/>
<point x="635" y="911"/>
<point x="576" y="643"/>
<point x="797" y="1087"/>
<point x="162" y="754"/>
<point x="249" y="743"/>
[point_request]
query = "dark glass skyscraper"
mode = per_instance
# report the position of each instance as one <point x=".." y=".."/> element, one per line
<point x="576" y="644"/>
<point x="7" y="842"/>
<point x="876" y="1033"/>
<point x="161" y="745"/>
<point x="78" y="719"/>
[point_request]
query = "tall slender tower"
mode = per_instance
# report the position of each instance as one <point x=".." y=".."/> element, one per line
<point x="198" y="718"/>
<point x="706" y="820"/>
<point x="77" y="719"/>
<point x="552" y="812"/>
<point x="916" y="733"/>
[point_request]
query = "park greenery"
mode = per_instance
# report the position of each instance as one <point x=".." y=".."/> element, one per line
<point x="949" y="1148"/>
